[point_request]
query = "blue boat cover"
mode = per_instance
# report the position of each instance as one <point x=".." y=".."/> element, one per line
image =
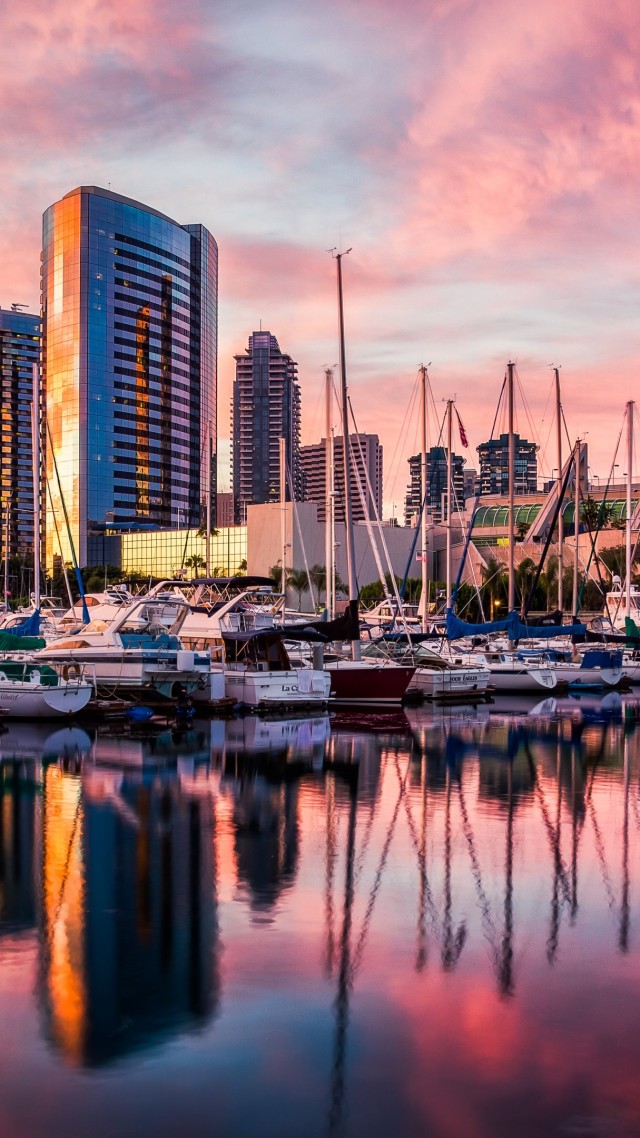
<point x="601" y="658"/>
<point x="29" y="627"/>
<point x="513" y="627"/>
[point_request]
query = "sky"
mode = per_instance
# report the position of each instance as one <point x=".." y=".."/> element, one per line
<point x="481" y="158"/>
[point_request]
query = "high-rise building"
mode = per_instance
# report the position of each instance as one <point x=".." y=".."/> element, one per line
<point x="19" y="351"/>
<point x="265" y="408"/>
<point x="494" y="466"/>
<point x="129" y="304"/>
<point x="436" y="484"/>
<point x="366" y="453"/>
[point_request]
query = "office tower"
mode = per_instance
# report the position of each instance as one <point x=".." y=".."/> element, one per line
<point x="436" y="484"/>
<point x="19" y="350"/>
<point x="129" y="302"/>
<point x="494" y="466"/>
<point x="366" y="455"/>
<point x="265" y="408"/>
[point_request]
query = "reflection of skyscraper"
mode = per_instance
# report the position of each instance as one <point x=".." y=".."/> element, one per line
<point x="129" y="913"/>
<point x="129" y="359"/>
<point x="18" y="825"/>
<point x="266" y="838"/>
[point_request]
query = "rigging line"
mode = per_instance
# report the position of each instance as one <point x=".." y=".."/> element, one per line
<point x="495" y="417"/>
<point x="296" y="515"/>
<point x="421" y="855"/>
<point x="489" y="928"/>
<point x="534" y="431"/>
<point x="55" y="524"/>
<point x="359" y="861"/>
<point x="606" y="880"/>
<point x="552" y="838"/>
<point x="410" y="416"/>
<point x="385" y="549"/>
<point x="593" y="551"/>
<point x="362" y="939"/>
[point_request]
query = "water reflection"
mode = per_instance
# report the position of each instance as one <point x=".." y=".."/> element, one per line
<point x="429" y="920"/>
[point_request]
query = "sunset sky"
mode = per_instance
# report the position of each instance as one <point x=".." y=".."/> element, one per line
<point x="480" y="156"/>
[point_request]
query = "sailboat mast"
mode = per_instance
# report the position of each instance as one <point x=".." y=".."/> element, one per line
<point x="630" y="409"/>
<point x="449" y="480"/>
<point x="511" y="469"/>
<point x="424" y="596"/>
<point x="348" y="513"/>
<point x="561" y="514"/>
<point x="576" y="529"/>
<point x="283" y="514"/>
<point x="35" y="444"/>
<point x="328" y="480"/>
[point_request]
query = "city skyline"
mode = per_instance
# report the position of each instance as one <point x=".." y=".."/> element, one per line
<point x="482" y="165"/>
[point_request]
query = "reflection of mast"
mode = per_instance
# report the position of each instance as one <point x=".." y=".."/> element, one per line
<point x="421" y="952"/>
<point x="623" y="937"/>
<point x="330" y="865"/>
<point x="452" y="944"/>
<point x="506" y="961"/>
<point x="554" y="930"/>
<point x="574" y="830"/>
<point x="341" y="1003"/>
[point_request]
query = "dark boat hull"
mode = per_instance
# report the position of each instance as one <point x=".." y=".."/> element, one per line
<point x="364" y="684"/>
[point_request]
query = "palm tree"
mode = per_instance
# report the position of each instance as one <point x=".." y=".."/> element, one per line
<point x="318" y="578"/>
<point x="195" y="562"/>
<point x="494" y="581"/>
<point x="549" y="579"/>
<point x="523" y="578"/>
<point x="298" y="580"/>
<point x="596" y="515"/>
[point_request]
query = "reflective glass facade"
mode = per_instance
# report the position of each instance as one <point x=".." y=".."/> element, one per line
<point x="19" y="351"/>
<point x="265" y="408"/>
<point x="129" y="301"/>
<point x="166" y="553"/>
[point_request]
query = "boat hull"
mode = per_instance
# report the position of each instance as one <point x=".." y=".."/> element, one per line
<point x="443" y="683"/>
<point x="299" y="687"/>
<point x="36" y="701"/>
<point x="354" y="682"/>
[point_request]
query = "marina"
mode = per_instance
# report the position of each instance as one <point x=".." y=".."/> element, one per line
<point x="415" y="921"/>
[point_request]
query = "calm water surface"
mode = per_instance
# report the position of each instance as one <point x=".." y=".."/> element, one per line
<point x="421" y="924"/>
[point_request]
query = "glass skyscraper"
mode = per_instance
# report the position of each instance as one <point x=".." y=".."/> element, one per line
<point x="265" y="408"/>
<point x="19" y="351"/>
<point x="129" y="305"/>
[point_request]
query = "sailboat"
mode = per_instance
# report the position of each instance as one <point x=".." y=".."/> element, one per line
<point x="358" y="681"/>
<point x="28" y="689"/>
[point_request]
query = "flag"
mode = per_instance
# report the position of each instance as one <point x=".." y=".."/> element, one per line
<point x="463" y="434"/>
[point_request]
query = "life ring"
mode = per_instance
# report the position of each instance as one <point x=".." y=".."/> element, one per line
<point x="71" y="671"/>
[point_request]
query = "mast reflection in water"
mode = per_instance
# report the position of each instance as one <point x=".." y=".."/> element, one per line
<point x="422" y="923"/>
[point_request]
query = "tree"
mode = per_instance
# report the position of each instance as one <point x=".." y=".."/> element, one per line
<point x="523" y="577"/>
<point x="596" y="515"/>
<point x="299" y="581"/>
<point x="614" y="560"/>
<point x="549" y="580"/>
<point x="195" y="562"/>
<point x="494" y="583"/>
<point x="276" y="573"/>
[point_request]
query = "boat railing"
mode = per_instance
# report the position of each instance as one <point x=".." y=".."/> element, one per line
<point x="246" y="621"/>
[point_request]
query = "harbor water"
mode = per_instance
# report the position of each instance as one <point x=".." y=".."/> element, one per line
<point x="413" y="923"/>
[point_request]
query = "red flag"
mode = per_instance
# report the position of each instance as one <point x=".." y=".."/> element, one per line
<point x="463" y="434"/>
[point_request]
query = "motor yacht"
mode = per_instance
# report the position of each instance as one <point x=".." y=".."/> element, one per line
<point x="138" y="650"/>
